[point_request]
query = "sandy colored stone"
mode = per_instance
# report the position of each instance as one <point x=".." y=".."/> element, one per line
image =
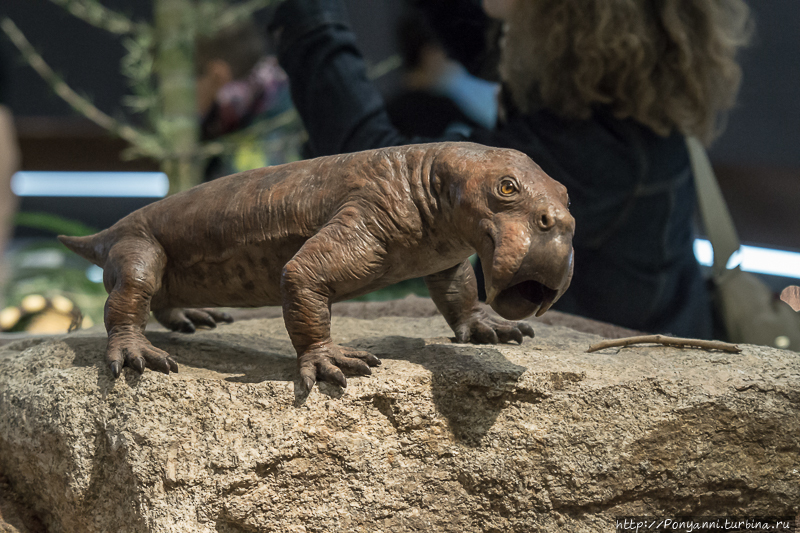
<point x="442" y="437"/>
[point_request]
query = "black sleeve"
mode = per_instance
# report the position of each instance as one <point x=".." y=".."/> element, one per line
<point x="341" y="108"/>
<point x="4" y="81"/>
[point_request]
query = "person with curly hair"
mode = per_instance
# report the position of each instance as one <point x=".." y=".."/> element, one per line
<point x="599" y="93"/>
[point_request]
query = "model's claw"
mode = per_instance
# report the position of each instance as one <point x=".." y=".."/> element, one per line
<point x="483" y="328"/>
<point x="332" y="374"/>
<point x="508" y="334"/>
<point x="135" y="351"/>
<point x="161" y="365"/>
<point x="526" y="329"/>
<point x="188" y="320"/>
<point x="201" y="317"/>
<point x="308" y="383"/>
<point x="352" y="365"/>
<point x="219" y="316"/>
<point x="138" y="364"/>
<point x="116" y="368"/>
<point x="488" y="336"/>
<point x="330" y="362"/>
<point x="516" y="336"/>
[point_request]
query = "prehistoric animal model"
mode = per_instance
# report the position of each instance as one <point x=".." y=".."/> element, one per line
<point x="310" y="233"/>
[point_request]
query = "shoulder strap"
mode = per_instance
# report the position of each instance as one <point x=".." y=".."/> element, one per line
<point x="713" y="210"/>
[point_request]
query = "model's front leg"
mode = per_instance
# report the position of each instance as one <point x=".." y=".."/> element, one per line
<point x="455" y="293"/>
<point x="334" y="260"/>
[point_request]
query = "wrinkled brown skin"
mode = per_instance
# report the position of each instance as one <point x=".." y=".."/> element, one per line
<point x="307" y="234"/>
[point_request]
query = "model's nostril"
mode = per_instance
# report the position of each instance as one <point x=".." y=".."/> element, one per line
<point x="546" y="221"/>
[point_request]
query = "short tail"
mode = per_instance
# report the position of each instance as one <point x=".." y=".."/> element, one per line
<point x="91" y="247"/>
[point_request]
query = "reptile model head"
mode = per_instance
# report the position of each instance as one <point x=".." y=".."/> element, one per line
<point x="517" y="219"/>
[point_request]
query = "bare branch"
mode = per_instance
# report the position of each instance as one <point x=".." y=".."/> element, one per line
<point x="96" y="14"/>
<point x="147" y="144"/>
<point x="666" y="341"/>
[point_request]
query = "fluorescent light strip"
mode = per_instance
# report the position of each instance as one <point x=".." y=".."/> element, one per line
<point x="753" y="259"/>
<point x="90" y="184"/>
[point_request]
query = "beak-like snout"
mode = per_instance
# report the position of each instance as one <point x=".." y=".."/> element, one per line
<point x="542" y="268"/>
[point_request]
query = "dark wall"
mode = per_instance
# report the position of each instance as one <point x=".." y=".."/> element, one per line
<point x="764" y="129"/>
<point x="85" y="56"/>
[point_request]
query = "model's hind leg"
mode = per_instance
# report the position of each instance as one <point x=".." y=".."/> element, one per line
<point x="188" y="320"/>
<point x="132" y="275"/>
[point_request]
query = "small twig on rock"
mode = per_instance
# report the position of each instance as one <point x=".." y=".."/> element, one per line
<point x="666" y="341"/>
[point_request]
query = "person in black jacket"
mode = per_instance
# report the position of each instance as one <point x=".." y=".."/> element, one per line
<point x="599" y="93"/>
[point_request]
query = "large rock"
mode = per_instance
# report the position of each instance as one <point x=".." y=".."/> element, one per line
<point x="442" y="437"/>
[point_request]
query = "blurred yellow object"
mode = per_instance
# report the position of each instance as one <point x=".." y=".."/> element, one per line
<point x="249" y="155"/>
<point x="9" y="317"/>
<point x="61" y="304"/>
<point x="37" y="314"/>
<point x="33" y="303"/>
<point x="50" y="321"/>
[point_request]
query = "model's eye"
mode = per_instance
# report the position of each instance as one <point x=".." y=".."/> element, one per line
<point x="508" y="187"/>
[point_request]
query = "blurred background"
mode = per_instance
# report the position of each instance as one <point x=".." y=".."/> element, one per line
<point x="757" y="159"/>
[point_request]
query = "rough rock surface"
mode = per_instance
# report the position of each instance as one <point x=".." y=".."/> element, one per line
<point x="442" y="437"/>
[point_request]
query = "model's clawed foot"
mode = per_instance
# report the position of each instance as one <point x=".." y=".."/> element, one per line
<point x="330" y="362"/>
<point x="188" y="320"/>
<point x="482" y="328"/>
<point x="135" y="351"/>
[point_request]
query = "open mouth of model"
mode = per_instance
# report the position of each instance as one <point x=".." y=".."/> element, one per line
<point x="535" y="292"/>
<point x="524" y="299"/>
